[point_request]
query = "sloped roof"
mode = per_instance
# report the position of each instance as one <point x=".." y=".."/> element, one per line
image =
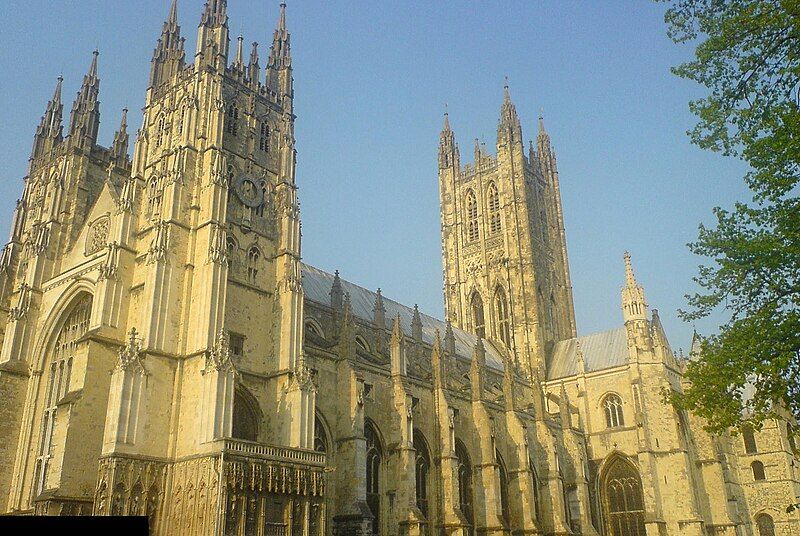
<point x="602" y="350"/>
<point x="317" y="286"/>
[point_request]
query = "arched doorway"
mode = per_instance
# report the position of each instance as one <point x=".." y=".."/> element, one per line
<point x="246" y="415"/>
<point x="623" y="502"/>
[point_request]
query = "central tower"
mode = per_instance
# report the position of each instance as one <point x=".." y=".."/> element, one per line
<point x="506" y="275"/>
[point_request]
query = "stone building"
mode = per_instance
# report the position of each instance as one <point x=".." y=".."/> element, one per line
<point x="165" y="352"/>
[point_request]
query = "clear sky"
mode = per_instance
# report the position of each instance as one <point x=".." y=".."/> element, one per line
<point x="371" y="82"/>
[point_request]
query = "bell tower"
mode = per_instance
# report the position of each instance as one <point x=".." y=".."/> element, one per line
<point x="503" y="243"/>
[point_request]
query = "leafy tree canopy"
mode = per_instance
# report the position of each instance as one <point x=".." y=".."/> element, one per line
<point x="748" y="57"/>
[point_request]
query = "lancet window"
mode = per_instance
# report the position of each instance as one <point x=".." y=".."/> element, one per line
<point x="493" y="203"/>
<point x="374" y="459"/>
<point x="612" y="404"/>
<point x="232" y="123"/>
<point x="465" y="484"/>
<point x="471" y="206"/>
<point x="253" y="257"/>
<point x="422" y="468"/>
<point x="478" y="321"/>
<point x="503" y="321"/>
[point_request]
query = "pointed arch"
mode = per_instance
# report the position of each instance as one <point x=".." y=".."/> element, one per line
<point x="374" y="460"/>
<point x="502" y="474"/>
<point x="232" y="253"/>
<point x="478" y="319"/>
<point x="503" y="317"/>
<point x="493" y="204"/>
<point x="422" y="476"/>
<point x="465" y="499"/>
<point x="612" y="406"/>
<point x="622" y="497"/>
<point x="471" y="211"/>
<point x="246" y="415"/>
<point x="232" y="120"/>
<point x="263" y="139"/>
<point x="322" y="437"/>
<point x="765" y="525"/>
<point x="253" y="258"/>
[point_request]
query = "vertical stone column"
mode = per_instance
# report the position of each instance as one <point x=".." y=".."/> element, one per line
<point x="219" y="382"/>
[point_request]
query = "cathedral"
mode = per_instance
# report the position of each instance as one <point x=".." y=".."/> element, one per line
<point x="165" y="352"/>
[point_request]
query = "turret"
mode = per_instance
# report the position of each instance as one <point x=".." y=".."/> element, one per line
<point x="634" y="312"/>
<point x="509" y="129"/>
<point x="84" y="120"/>
<point x="448" y="148"/>
<point x="212" y="37"/>
<point x="50" y="130"/>
<point x="279" y="65"/>
<point x="169" y="56"/>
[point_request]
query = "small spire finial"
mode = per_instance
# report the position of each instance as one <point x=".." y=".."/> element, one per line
<point x="446" y="127"/>
<point x="630" y="279"/>
<point x="173" y="12"/>
<point x="93" y="66"/>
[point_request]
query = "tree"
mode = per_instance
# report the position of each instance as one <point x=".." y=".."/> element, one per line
<point x="748" y="57"/>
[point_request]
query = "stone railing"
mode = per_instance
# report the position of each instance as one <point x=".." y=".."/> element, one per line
<point x="252" y="449"/>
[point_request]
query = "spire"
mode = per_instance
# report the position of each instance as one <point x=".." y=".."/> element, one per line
<point x="215" y="14"/>
<point x="239" y="61"/>
<point x="168" y="56"/>
<point x="379" y="312"/>
<point x="448" y="149"/>
<point x="119" y="148"/>
<point x="212" y="36"/>
<point x="336" y="292"/>
<point x="253" y="69"/>
<point x="85" y="115"/>
<point x="544" y="149"/>
<point x="50" y="131"/>
<point x="509" y="121"/>
<point x="416" y="325"/>
<point x="634" y="306"/>
<point x="449" y="339"/>
<point x="280" y="57"/>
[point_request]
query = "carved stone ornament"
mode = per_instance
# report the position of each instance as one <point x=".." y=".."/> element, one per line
<point x="218" y="358"/>
<point x="97" y="237"/>
<point x="248" y="191"/>
<point x="130" y="357"/>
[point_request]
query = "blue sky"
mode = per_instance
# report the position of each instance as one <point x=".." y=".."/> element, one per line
<point x="371" y="82"/>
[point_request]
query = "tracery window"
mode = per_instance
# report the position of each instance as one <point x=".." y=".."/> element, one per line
<point x="765" y="524"/>
<point x="623" y="500"/>
<point x="472" y="216"/>
<point x="374" y="458"/>
<point x="320" y="437"/>
<point x="503" y="321"/>
<point x="478" y="320"/>
<point x="161" y="129"/>
<point x="263" y="140"/>
<point x="232" y="124"/>
<point x="230" y="250"/>
<point x="465" y="484"/>
<point x="245" y="416"/>
<point x="253" y="257"/>
<point x="503" y="478"/>
<point x="422" y="468"/>
<point x="154" y="196"/>
<point x="493" y="203"/>
<point x="758" y="470"/>
<point x="612" y="404"/>
<point x="58" y="369"/>
<point x="749" y="438"/>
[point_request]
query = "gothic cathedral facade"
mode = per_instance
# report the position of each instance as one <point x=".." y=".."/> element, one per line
<point x="166" y="353"/>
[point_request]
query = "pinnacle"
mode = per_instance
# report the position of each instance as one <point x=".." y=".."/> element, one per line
<point x="630" y="279"/>
<point x="173" y="12"/>
<point x="57" y="93"/>
<point x="93" y="66"/>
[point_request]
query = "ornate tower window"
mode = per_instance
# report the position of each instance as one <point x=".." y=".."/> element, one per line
<point x="263" y="140"/>
<point x="154" y="196"/>
<point x="765" y="524"/>
<point x="749" y="438"/>
<point x="478" y="321"/>
<point x="758" y="470"/>
<point x="58" y="369"/>
<point x="161" y="130"/>
<point x="493" y="203"/>
<point x="246" y="415"/>
<point x="612" y="404"/>
<point x="422" y="466"/>
<point x="253" y="257"/>
<point x="471" y="209"/>
<point x="503" y="321"/>
<point x="503" y="478"/>
<point x="465" y="484"/>
<point x="374" y="458"/>
<point x="623" y="500"/>
<point x="232" y="124"/>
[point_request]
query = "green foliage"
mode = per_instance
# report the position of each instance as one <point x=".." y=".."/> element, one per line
<point x="748" y="57"/>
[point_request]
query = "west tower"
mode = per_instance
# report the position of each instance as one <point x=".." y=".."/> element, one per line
<point x="506" y="274"/>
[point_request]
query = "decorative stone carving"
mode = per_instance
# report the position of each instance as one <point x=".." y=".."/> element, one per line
<point x="158" y="246"/>
<point x="219" y="356"/>
<point x="130" y="357"/>
<point x="97" y="237"/>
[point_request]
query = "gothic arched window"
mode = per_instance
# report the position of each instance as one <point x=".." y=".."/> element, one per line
<point x="154" y="196"/>
<point x="374" y="459"/>
<point x="535" y="490"/>
<point x="478" y="321"/>
<point x="232" y="124"/>
<point x="58" y="369"/>
<point x="471" y="208"/>
<point x="503" y="321"/>
<point x="623" y="500"/>
<point x="253" y="257"/>
<point x="465" y="483"/>
<point x="182" y="120"/>
<point x="245" y="416"/>
<point x="765" y="524"/>
<point x="612" y="404"/>
<point x="263" y="140"/>
<point x="422" y="466"/>
<point x="230" y="251"/>
<point x="320" y="437"/>
<point x="161" y="130"/>
<point x="749" y="438"/>
<point x="493" y="202"/>
<point x="503" y="478"/>
<point x="758" y="470"/>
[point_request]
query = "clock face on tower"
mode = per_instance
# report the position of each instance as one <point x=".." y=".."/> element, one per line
<point x="248" y="191"/>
